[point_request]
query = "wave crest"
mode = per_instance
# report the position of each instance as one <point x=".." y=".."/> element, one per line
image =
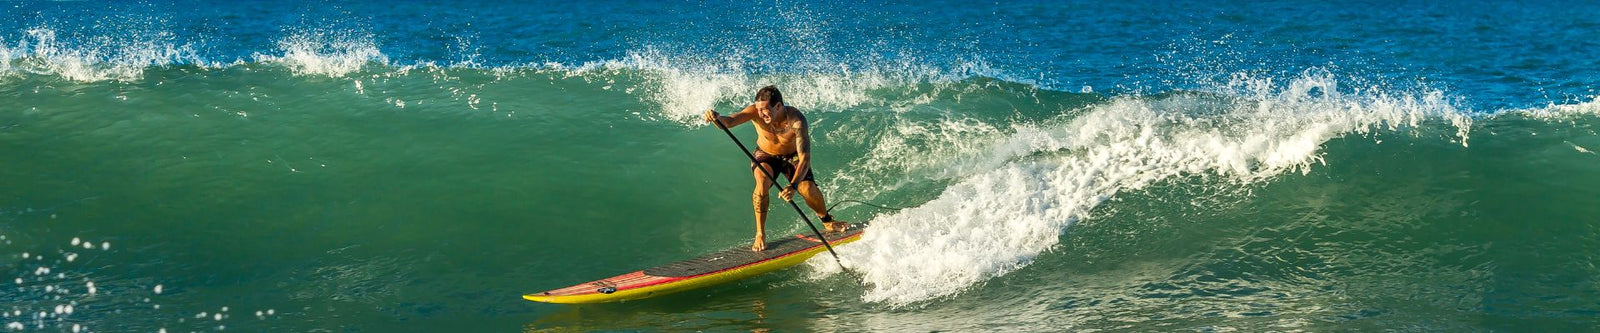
<point x="1041" y="178"/>
<point x="100" y="58"/>
<point x="685" y="87"/>
<point x="1590" y="107"/>
<point x="325" y="53"/>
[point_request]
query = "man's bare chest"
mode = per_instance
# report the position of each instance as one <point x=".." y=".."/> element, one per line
<point x="782" y="133"/>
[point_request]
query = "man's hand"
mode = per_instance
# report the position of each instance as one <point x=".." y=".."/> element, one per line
<point x="711" y="115"/>
<point x="787" y="193"/>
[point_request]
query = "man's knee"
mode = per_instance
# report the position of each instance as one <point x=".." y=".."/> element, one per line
<point x="808" y="186"/>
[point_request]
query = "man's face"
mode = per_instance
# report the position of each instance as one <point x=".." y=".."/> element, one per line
<point x="768" y="110"/>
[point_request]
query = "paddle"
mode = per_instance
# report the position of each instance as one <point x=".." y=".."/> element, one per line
<point x="774" y="180"/>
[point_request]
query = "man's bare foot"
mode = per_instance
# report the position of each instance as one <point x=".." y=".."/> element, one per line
<point x="759" y="244"/>
<point x="836" y="226"/>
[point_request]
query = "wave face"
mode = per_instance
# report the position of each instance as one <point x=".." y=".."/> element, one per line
<point x="1133" y="166"/>
<point x="1035" y="180"/>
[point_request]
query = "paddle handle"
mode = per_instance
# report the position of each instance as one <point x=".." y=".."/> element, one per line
<point x="774" y="180"/>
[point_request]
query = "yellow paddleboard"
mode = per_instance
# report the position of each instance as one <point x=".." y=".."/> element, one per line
<point x="712" y="269"/>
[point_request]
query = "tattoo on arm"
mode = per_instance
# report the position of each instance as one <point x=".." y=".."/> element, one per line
<point x="802" y="138"/>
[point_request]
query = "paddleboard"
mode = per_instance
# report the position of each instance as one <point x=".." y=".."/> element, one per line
<point x="708" y="270"/>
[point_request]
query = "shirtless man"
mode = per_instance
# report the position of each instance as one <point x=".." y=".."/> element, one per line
<point x="785" y="148"/>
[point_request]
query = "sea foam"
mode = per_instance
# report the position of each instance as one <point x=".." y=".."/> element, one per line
<point x="1021" y="187"/>
<point x="684" y="87"/>
<point x="333" y="54"/>
<point x="92" y="58"/>
<point x="1590" y="107"/>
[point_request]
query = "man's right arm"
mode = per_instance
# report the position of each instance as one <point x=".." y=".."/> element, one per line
<point x="736" y="119"/>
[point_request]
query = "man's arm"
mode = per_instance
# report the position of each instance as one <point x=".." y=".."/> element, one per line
<point x="735" y="119"/>
<point x="802" y="144"/>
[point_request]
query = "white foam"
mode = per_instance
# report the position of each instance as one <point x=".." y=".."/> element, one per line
<point x="1018" y="189"/>
<point x="332" y="54"/>
<point x="684" y="86"/>
<point x="1590" y="107"/>
<point x="964" y="146"/>
<point x="96" y="58"/>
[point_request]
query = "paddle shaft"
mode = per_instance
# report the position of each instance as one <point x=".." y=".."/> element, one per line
<point x="774" y="180"/>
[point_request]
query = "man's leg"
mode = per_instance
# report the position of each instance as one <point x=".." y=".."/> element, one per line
<point x="759" y="200"/>
<point x="813" y="195"/>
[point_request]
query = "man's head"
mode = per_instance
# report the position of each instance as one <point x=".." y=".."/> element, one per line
<point x="769" y="104"/>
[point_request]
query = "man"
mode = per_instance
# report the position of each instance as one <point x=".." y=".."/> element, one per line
<point x="785" y="151"/>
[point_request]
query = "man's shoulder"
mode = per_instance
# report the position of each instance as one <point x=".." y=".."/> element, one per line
<point x="799" y="117"/>
<point x="796" y="112"/>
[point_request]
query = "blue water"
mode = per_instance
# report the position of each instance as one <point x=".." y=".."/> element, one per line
<point x="1137" y="166"/>
<point x="1494" y="55"/>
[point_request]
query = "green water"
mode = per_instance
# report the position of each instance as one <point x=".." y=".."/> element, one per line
<point x="431" y="199"/>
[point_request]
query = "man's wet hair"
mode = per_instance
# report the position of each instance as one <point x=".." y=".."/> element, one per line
<point x="769" y="94"/>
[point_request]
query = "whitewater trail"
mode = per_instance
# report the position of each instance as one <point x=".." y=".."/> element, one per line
<point x="1041" y="178"/>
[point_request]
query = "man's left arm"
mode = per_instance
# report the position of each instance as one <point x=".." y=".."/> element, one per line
<point x="802" y="163"/>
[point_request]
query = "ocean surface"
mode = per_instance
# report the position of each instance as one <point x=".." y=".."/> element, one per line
<point x="1133" y="166"/>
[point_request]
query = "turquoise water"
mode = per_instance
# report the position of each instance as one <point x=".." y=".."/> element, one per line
<point x="1054" y="166"/>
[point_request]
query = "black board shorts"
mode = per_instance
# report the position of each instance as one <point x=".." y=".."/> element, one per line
<point x="783" y="165"/>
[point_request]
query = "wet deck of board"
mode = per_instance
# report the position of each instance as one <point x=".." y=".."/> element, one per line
<point x="739" y="256"/>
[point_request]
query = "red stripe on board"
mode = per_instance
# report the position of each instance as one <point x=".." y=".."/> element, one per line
<point x="640" y="280"/>
<point x="667" y="280"/>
